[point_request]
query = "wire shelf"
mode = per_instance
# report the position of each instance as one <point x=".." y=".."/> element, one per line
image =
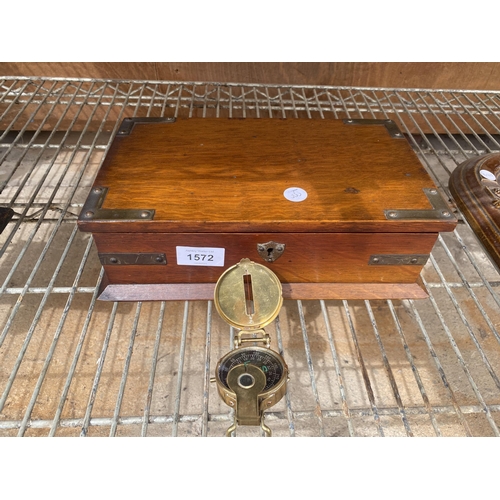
<point x="71" y="365"/>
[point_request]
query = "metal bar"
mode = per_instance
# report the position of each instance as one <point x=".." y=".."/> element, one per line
<point x="340" y="379"/>
<point x="78" y="178"/>
<point x="467" y="325"/>
<point x="257" y="110"/>
<point x="217" y="103"/>
<point x="180" y="369"/>
<point x="450" y="118"/>
<point x="417" y="146"/>
<point x="294" y="107"/>
<point x="469" y="289"/>
<point x="424" y="136"/>
<point x="58" y="331"/>
<point x="492" y="101"/>
<point x="152" y="100"/>
<point x="288" y="403"/>
<point x="49" y="147"/>
<point x="206" y="380"/>
<point x="224" y="417"/>
<point x="19" y="113"/>
<point x="62" y="400"/>
<point x="100" y="363"/>
<point x="438" y="136"/>
<point x="47" y="205"/>
<point x="243" y="102"/>
<point x="41" y="257"/>
<point x="462" y="362"/>
<point x="269" y="107"/>
<point x="370" y="108"/>
<point x="33" y="325"/>
<point x="388" y="370"/>
<point x="476" y="121"/>
<point x="467" y="126"/>
<point x="126" y="367"/>
<point x="320" y="109"/>
<point x="364" y="372"/>
<point x="306" y="104"/>
<point x="90" y="289"/>
<point x="359" y="112"/>
<point x="191" y="105"/>
<point x="152" y="372"/>
<point x="56" y="289"/>
<point x="177" y="106"/>
<point x="346" y="110"/>
<point x="414" y="369"/>
<point x="440" y="368"/>
<point x="332" y="105"/>
<point x="13" y="102"/>
<point x="139" y="99"/>
<point x="230" y="102"/>
<point x="32" y="140"/>
<point x="485" y="116"/>
<point x="317" y="410"/>
<point x="165" y="99"/>
<point x="35" y="161"/>
<point x="472" y="260"/>
<point x="282" y="105"/>
<point x="236" y="84"/>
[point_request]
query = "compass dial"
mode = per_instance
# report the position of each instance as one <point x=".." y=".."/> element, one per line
<point x="267" y="360"/>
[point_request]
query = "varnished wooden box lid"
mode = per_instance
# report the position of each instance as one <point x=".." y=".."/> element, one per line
<point x="231" y="175"/>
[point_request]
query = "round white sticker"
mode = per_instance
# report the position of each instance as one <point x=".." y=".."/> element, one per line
<point x="488" y="175"/>
<point x="295" y="194"/>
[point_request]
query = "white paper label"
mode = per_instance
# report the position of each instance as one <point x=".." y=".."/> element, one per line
<point x="295" y="194"/>
<point x="200" y="256"/>
<point x="488" y="175"/>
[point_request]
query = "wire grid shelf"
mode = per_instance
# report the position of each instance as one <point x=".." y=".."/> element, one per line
<point x="71" y="365"/>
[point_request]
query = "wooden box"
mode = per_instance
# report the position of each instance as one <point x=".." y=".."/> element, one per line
<point x="475" y="187"/>
<point x="336" y="208"/>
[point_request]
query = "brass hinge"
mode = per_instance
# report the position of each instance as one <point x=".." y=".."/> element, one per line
<point x="398" y="260"/>
<point x="133" y="259"/>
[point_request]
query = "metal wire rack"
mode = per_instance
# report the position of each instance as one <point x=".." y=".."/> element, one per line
<point x="71" y="365"/>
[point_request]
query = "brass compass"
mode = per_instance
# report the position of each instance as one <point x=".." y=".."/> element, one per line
<point x="252" y="377"/>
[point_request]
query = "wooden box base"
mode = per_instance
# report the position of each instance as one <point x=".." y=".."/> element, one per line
<point x="313" y="265"/>
<point x="295" y="291"/>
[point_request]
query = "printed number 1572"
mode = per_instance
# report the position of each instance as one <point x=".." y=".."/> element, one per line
<point x="200" y="256"/>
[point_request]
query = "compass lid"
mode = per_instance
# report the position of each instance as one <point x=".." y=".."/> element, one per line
<point x="248" y="295"/>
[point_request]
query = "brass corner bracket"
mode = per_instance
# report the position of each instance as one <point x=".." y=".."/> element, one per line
<point x="440" y="210"/>
<point x="92" y="210"/>
<point x="391" y="126"/>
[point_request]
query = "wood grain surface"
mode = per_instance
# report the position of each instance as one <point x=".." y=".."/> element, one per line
<point x="432" y="75"/>
<point x="479" y="199"/>
<point x="308" y="257"/>
<point x="229" y="175"/>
